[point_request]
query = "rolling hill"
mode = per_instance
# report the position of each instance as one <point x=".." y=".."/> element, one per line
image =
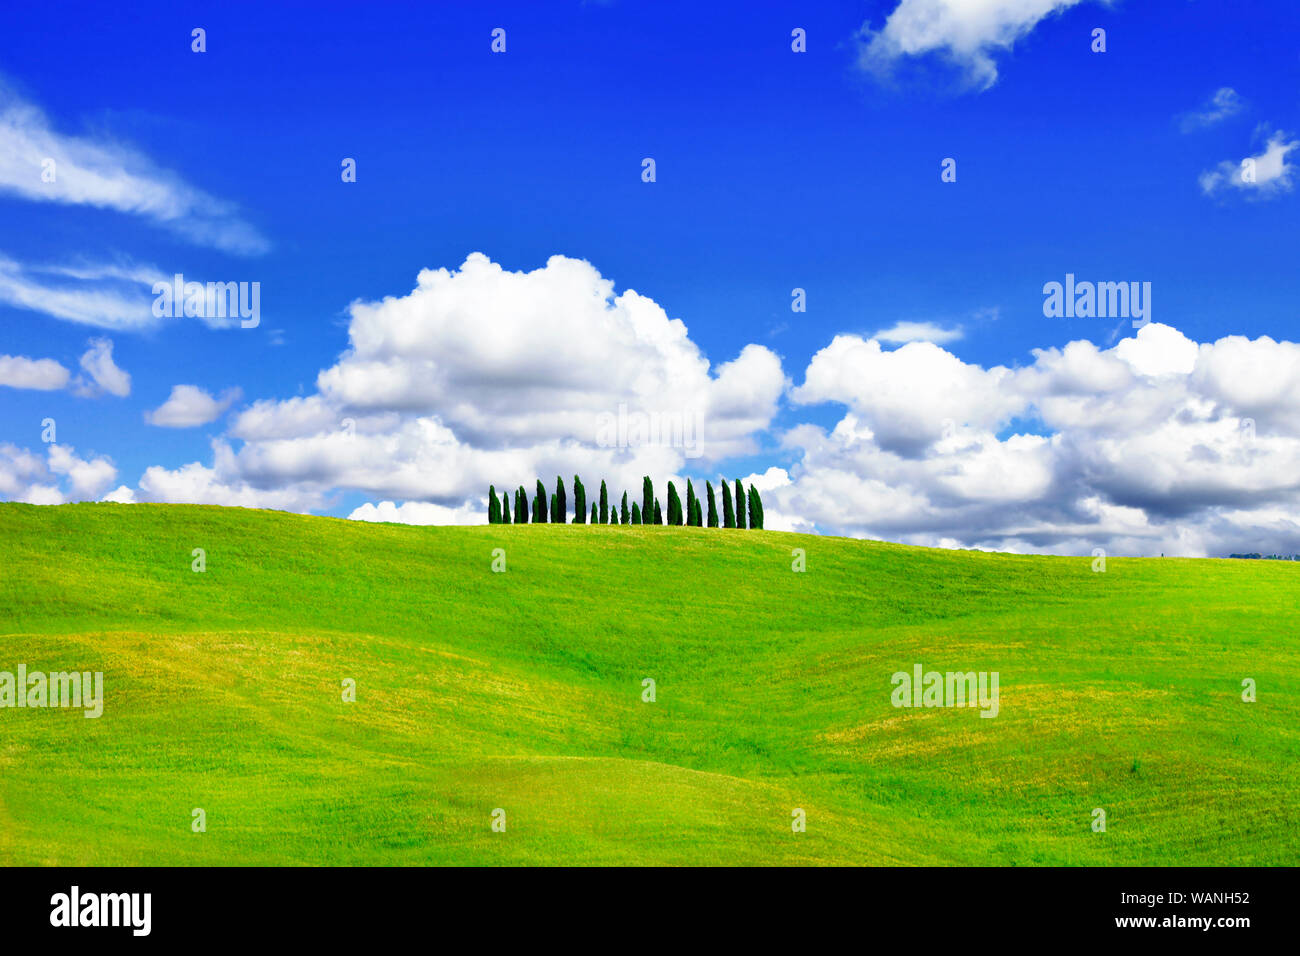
<point x="522" y="691"/>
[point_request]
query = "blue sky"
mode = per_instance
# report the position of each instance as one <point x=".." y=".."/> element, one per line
<point x="775" y="170"/>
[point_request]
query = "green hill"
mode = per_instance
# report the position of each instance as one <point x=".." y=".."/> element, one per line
<point x="523" y="691"/>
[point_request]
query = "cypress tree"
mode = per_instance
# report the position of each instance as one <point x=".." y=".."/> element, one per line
<point x="613" y="516"/>
<point x="647" y="499"/>
<point x="505" y="509"/>
<point x="560" y="507"/>
<point x="555" y="511"/>
<point x="579" y="501"/>
<point x="539" y="504"/>
<point x="690" y="503"/>
<point x="604" y="503"/>
<point x="494" y="506"/>
<point x="755" y="509"/>
<point x="521" y="505"/>
<point x="659" y="515"/>
<point x="593" y="513"/>
<point x="728" y="513"/>
<point x="623" y="513"/>
<point x="740" y="505"/>
<point x="674" y="505"/>
<point x="636" y="513"/>
<point x="713" y="505"/>
<point x="699" y="514"/>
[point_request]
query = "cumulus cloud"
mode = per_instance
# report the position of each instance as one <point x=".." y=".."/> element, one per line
<point x="418" y="512"/>
<point x="103" y="371"/>
<point x="480" y="376"/>
<point x="17" y="371"/>
<point x="189" y="406"/>
<point x="61" y="475"/>
<point x="1263" y="176"/>
<point x="1224" y="103"/>
<point x="107" y="175"/>
<point x="1159" y="444"/>
<point x="965" y="32"/>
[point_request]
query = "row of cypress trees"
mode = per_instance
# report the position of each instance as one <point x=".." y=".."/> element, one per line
<point x="744" y="511"/>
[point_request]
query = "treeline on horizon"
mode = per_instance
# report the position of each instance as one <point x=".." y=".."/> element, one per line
<point x="745" y="511"/>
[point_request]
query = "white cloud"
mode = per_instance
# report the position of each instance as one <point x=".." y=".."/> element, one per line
<point x="1224" y="103"/>
<point x="17" y="371"/>
<point x="108" y="175"/>
<point x="86" y="478"/>
<point x="1157" y="445"/>
<point x="903" y="332"/>
<point x="102" y="296"/>
<point x="189" y="406"/>
<point x="419" y="512"/>
<point x="965" y="32"/>
<point x="103" y="371"/>
<point x="1262" y="176"/>
<point x="58" y="477"/>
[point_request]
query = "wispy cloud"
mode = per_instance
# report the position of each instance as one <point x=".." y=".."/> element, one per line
<point x="103" y="371"/>
<point x="104" y="296"/>
<point x="1224" y="103"/>
<point x="903" y="332"/>
<point x="42" y="165"/>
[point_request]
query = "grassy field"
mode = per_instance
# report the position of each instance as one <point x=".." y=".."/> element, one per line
<point x="523" y="691"/>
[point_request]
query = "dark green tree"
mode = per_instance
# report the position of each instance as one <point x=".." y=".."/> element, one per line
<point x="560" y="516"/>
<point x="593" y="512"/>
<point x="521" y="505"/>
<point x="659" y="515"/>
<point x="740" y="505"/>
<point x="505" y="508"/>
<point x="636" y="513"/>
<point x="579" y="501"/>
<point x="728" y="513"/>
<point x="690" y="503"/>
<point x="713" y="505"/>
<point x="540" y="510"/>
<point x="647" y="499"/>
<point x="494" y="506"/>
<point x="674" y="505"/>
<point x="623" y="512"/>
<point x="699" y="514"/>
<point x="604" y="503"/>
<point x="755" y="509"/>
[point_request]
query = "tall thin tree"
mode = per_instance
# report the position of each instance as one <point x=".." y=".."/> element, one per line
<point x="540" y="511"/>
<point x="604" y="503"/>
<point x="579" y="501"/>
<point x="521" y="505"/>
<point x="623" y="512"/>
<point x="560" y="516"/>
<point x="728" y="513"/>
<point x="647" y="499"/>
<point x="713" y="505"/>
<point x="740" y="505"/>
<point x="494" y="506"/>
